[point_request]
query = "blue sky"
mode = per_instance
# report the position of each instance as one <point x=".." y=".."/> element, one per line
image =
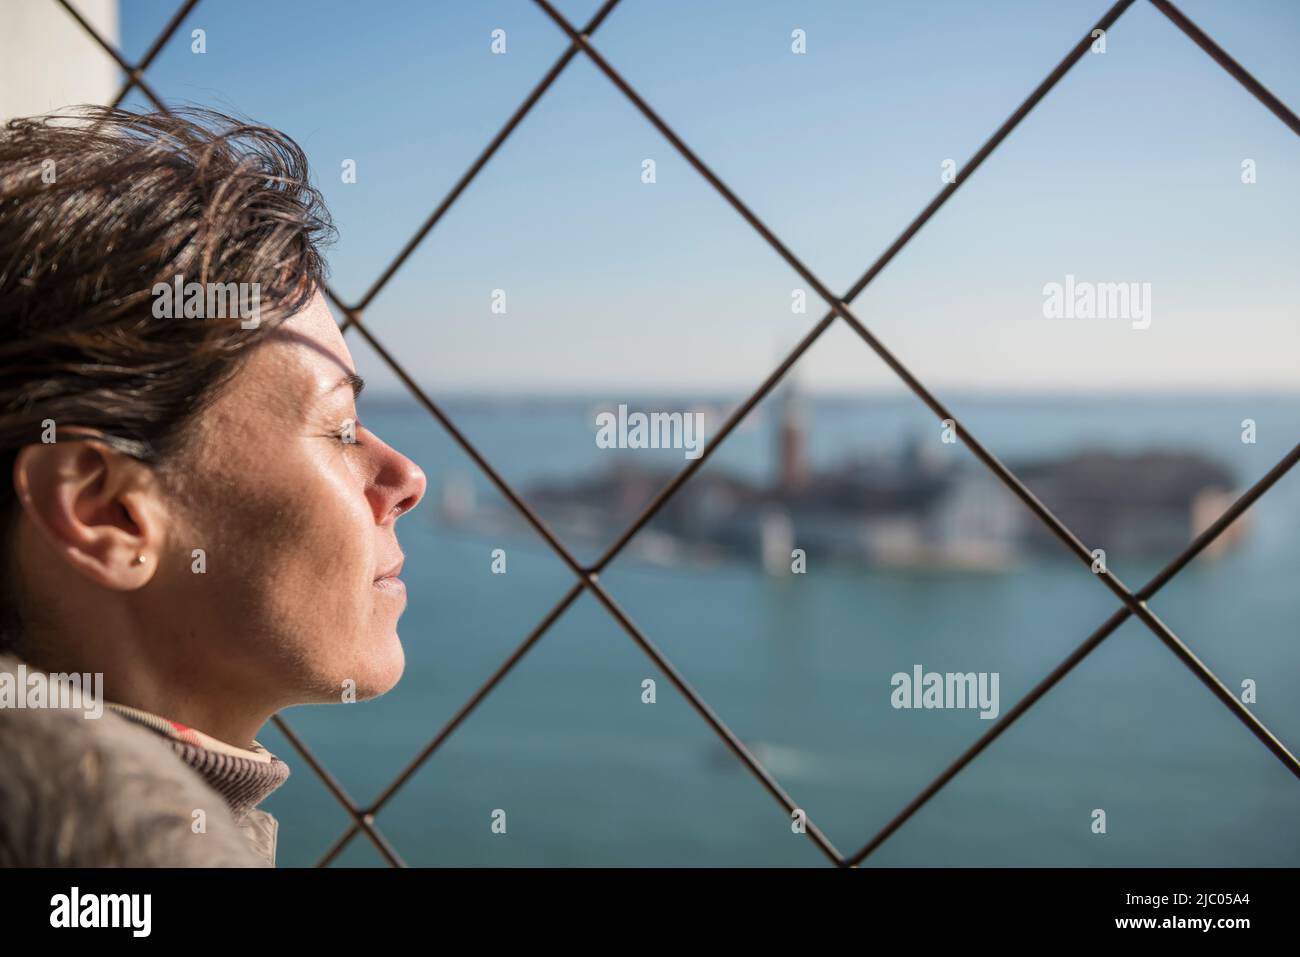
<point x="1128" y="171"/>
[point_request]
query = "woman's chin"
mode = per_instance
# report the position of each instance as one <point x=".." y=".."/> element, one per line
<point x="386" y="666"/>
<point x="378" y="671"/>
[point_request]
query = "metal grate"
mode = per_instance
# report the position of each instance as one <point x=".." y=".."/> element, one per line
<point x="1131" y="603"/>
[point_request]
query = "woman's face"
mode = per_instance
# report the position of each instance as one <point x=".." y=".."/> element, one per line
<point x="300" y="595"/>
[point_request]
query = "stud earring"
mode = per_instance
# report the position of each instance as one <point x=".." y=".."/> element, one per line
<point x="139" y="559"/>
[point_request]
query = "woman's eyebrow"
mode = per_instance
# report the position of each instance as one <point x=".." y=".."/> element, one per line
<point x="351" y="379"/>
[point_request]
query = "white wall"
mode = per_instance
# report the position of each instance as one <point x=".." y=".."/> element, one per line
<point x="47" y="60"/>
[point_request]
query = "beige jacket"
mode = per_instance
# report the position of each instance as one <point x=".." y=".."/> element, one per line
<point x="109" y="792"/>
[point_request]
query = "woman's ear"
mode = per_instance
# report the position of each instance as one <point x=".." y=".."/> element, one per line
<point x="95" y="508"/>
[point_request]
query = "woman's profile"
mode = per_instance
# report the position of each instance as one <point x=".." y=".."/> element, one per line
<point x="189" y="507"/>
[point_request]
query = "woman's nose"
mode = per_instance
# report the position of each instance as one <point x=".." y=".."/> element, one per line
<point x="414" y="483"/>
<point x="401" y="484"/>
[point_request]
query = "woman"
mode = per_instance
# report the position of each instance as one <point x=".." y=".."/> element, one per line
<point x="190" y="507"/>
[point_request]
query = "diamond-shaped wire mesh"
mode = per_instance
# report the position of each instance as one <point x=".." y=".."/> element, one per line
<point x="1131" y="603"/>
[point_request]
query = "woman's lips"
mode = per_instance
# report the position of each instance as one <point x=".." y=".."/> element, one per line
<point x="391" y="584"/>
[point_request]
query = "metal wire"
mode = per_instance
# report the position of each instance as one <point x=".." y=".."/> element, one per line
<point x="1132" y="603"/>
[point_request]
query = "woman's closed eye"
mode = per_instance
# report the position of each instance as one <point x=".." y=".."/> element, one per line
<point x="348" y="432"/>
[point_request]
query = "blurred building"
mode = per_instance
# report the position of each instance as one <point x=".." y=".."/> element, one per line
<point x="911" y="507"/>
<point x="1152" y="503"/>
<point x="916" y="506"/>
<point x="792" y="454"/>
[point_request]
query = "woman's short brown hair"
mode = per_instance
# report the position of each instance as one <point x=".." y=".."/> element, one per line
<point x="98" y="206"/>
